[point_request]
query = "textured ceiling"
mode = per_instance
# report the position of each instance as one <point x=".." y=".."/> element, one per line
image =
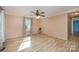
<point x="25" y="10"/>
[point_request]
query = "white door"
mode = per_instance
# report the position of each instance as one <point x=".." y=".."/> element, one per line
<point x="2" y="28"/>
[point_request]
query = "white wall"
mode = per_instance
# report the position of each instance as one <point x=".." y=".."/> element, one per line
<point x="35" y="26"/>
<point x="55" y="26"/>
<point x="13" y="26"/>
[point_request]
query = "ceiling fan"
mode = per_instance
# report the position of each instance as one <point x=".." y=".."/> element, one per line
<point x="38" y="13"/>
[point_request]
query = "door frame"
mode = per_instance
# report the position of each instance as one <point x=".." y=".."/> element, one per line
<point x="73" y="19"/>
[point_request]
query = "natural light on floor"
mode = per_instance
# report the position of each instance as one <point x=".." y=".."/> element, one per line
<point x="25" y="44"/>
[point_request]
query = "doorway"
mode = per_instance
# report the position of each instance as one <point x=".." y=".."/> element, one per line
<point x="27" y="26"/>
<point x="75" y="27"/>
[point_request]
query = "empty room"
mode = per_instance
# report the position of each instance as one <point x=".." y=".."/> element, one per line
<point x="39" y="29"/>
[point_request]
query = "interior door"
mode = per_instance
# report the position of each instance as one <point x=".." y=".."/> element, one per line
<point x="2" y="28"/>
<point x="76" y="27"/>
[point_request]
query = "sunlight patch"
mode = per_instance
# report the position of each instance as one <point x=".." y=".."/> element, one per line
<point x="25" y="44"/>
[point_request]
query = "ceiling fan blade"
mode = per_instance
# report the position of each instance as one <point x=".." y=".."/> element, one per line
<point x="33" y="12"/>
<point x="38" y="13"/>
<point x="42" y="12"/>
<point x="42" y="15"/>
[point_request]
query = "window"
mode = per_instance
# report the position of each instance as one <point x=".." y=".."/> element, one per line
<point x="26" y="26"/>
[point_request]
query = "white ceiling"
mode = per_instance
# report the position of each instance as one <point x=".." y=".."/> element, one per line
<point x="25" y="10"/>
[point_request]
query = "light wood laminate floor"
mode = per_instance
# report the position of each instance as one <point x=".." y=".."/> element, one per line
<point x="41" y="43"/>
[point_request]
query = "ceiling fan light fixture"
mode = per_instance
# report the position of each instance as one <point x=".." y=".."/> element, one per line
<point x="38" y="14"/>
<point x="37" y="17"/>
<point x="76" y="13"/>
